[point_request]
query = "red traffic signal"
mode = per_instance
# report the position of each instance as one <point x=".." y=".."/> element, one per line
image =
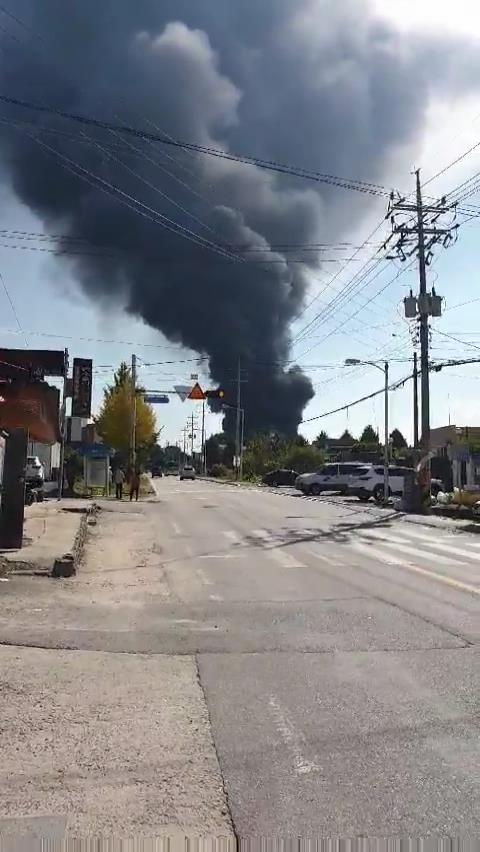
<point x="218" y="393"/>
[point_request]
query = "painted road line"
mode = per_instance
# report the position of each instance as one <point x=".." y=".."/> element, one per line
<point x="278" y="554"/>
<point x="293" y="739"/>
<point x="175" y="527"/>
<point x="232" y="536"/>
<point x="330" y="560"/>
<point x="397" y="544"/>
<point x="204" y="577"/>
<point x="458" y="551"/>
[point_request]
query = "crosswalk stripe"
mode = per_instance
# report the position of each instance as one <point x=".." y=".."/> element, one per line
<point x="390" y="559"/>
<point x="278" y="554"/>
<point x="232" y="536"/>
<point x="398" y="544"/>
<point x="457" y="551"/>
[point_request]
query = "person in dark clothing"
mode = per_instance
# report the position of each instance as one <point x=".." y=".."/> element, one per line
<point x="134" y="483"/>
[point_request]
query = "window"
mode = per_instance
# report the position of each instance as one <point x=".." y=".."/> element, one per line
<point x="379" y="471"/>
<point x="351" y="468"/>
<point x="329" y="470"/>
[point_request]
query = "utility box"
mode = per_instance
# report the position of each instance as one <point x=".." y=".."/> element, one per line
<point x="436" y="306"/>
<point x="410" y="303"/>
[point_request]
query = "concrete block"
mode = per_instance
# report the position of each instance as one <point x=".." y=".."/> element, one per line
<point x="64" y="566"/>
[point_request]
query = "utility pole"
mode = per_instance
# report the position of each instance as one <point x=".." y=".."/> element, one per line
<point x="415" y="400"/>
<point x="237" y="425"/>
<point x="419" y="237"/>
<point x="191" y="440"/>
<point x="386" y="460"/>
<point x="133" y="436"/>
<point x="424" y="308"/>
<point x="204" y="466"/>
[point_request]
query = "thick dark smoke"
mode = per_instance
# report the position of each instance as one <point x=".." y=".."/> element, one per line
<point x="322" y="84"/>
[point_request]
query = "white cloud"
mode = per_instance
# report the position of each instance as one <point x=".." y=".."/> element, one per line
<point x="461" y="18"/>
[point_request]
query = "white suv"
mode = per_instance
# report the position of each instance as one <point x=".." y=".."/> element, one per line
<point x="370" y="482"/>
<point x="34" y="472"/>
<point x="331" y="477"/>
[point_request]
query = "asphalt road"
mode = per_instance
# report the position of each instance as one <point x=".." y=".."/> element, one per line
<point x="337" y="648"/>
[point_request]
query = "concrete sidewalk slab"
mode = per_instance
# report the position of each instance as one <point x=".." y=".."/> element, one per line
<point x="51" y="530"/>
<point x="114" y="744"/>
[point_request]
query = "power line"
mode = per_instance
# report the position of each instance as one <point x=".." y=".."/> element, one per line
<point x="14" y="312"/>
<point x="272" y="165"/>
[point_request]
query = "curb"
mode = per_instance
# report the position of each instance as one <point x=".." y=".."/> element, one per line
<point x="66" y="565"/>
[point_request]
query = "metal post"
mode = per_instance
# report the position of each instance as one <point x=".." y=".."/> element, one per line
<point x="425" y="379"/>
<point x="191" y="440"/>
<point x="133" y="438"/>
<point x="204" y="469"/>
<point x="415" y="401"/>
<point x="386" y="486"/>
<point x="63" y="427"/>
<point x="241" y="445"/>
<point x="237" y="425"/>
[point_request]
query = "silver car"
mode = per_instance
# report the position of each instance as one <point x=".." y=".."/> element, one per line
<point x="188" y="472"/>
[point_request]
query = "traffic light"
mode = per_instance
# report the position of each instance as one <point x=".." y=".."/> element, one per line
<point x="218" y="393"/>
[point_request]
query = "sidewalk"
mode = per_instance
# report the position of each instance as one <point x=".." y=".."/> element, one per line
<point x="51" y="531"/>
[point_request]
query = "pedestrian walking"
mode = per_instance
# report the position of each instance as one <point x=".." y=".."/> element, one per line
<point x="119" y="480"/>
<point x="134" y="483"/>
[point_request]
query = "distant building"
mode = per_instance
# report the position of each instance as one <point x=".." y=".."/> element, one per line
<point x="460" y="446"/>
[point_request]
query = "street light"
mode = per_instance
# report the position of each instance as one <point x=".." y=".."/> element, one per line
<point x="242" y="428"/>
<point x="355" y="362"/>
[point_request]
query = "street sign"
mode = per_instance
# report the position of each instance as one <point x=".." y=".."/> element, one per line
<point x="183" y="391"/>
<point x="196" y="392"/>
<point x="194" y="377"/>
<point x="155" y="398"/>
<point x="82" y="387"/>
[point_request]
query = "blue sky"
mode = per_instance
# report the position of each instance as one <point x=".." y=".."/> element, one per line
<point x="48" y="302"/>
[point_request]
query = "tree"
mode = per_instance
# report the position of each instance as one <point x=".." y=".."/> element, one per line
<point x="369" y="436"/>
<point x="302" y="459"/>
<point x="397" y="440"/>
<point x="114" y="420"/>
<point x="321" y="440"/>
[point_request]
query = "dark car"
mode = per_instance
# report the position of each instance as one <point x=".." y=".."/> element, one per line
<point x="280" y="477"/>
<point x="156" y="470"/>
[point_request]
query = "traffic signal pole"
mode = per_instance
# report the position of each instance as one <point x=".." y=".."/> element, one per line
<point x="237" y="425"/>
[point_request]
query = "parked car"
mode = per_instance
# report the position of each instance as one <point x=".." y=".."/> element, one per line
<point x="370" y="482"/>
<point x="171" y="470"/>
<point x="280" y="477"/>
<point x="34" y="472"/>
<point x="332" y="477"/>
<point x="187" y="472"/>
<point x="156" y="470"/>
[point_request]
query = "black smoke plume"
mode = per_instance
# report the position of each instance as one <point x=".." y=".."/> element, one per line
<point x="323" y="84"/>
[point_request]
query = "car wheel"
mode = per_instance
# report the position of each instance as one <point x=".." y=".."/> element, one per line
<point x="181" y="479"/>
<point x="364" y="498"/>
<point x="315" y="490"/>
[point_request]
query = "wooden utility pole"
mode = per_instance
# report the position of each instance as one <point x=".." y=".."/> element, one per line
<point x="133" y="436"/>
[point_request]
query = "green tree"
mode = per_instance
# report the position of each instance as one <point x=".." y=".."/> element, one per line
<point x="369" y="436"/>
<point x="302" y="459"/>
<point x="114" y="420"/>
<point x="321" y="440"/>
<point x="397" y="440"/>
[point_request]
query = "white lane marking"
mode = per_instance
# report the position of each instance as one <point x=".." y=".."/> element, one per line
<point x="232" y="536"/>
<point x="387" y="559"/>
<point x="220" y="556"/>
<point x="377" y="554"/>
<point x="189" y="549"/>
<point x="292" y="738"/>
<point x="215" y="597"/>
<point x="175" y="527"/>
<point x="278" y="554"/>
<point x="330" y="560"/>
<point x="457" y="551"/>
<point x="397" y="544"/>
